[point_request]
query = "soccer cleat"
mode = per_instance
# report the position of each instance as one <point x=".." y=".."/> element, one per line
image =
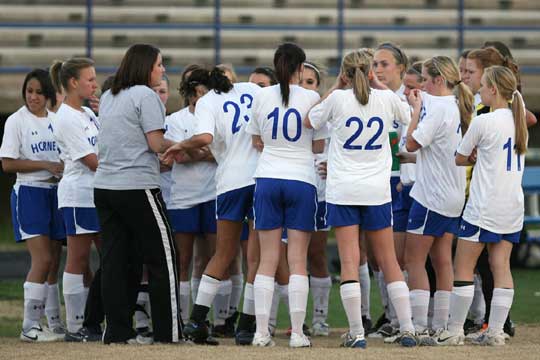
<point x="387" y="330"/>
<point x="408" y="339"/>
<point x="243" y="337"/>
<point x="140" y="340"/>
<point x="37" y="334"/>
<point x="474" y="335"/>
<point x="58" y="331"/>
<point x="489" y="340"/>
<point x="84" y="334"/>
<point x="425" y="338"/>
<point x="354" y="342"/>
<point x="262" y="340"/>
<point x="299" y="341"/>
<point x="446" y="338"/>
<point x="320" y="329"/>
<point x="196" y="332"/>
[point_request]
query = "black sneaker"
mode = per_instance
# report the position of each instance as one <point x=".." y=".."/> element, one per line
<point x="198" y="332"/>
<point x="366" y="322"/>
<point x="380" y="322"/>
<point x="243" y="337"/>
<point x="84" y="334"/>
<point x="470" y="327"/>
<point x="509" y="327"/>
<point x="209" y="340"/>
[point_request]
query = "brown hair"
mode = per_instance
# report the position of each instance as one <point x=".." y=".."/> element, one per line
<point x="446" y="68"/>
<point x="62" y="71"/>
<point x="287" y="60"/>
<point x="490" y="56"/>
<point x="135" y="68"/>
<point x="505" y="82"/>
<point x="356" y="66"/>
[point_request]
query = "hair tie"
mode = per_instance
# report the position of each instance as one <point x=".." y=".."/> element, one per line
<point x="515" y="93"/>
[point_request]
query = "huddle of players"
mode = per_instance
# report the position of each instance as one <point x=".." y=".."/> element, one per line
<point x="246" y="156"/>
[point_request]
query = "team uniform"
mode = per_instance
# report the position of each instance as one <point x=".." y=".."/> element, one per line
<point x="34" y="209"/>
<point x="494" y="212"/>
<point x="358" y="181"/>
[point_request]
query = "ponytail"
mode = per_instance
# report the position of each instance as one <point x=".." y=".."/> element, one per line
<point x="54" y="72"/>
<point x="356" y="66"/>
<point x="218" y="81"/>
<point x="520" y="123"/>
<point x="287" y="60"/>
<point x="465" y="100"/>
<point x="62" y="72"/>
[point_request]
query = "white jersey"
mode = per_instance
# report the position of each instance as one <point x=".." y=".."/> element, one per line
<point x="166" y="177"/>
<point x="28" y="137"/>
<point x="192" y="183"/>
<point x="359" y="158"/>
<point x="496" y="196"/>
<point x="440" y="183"/>
<point x="288" y="144"/>
<point x="224" y="116"/>
<point x="76" y="134"/>
<point x="406" y="171"/>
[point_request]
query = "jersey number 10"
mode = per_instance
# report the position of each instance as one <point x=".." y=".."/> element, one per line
<point x="274" y="115"/>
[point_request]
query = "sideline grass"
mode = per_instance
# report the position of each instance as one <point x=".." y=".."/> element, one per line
<point x="526" y="308"/>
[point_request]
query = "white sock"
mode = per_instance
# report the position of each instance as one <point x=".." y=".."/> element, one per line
<point x="141" y="319"/>
<point x="46" y="292"/>
<point x="284" y="295"/>
<point x="221" y="302"/>
<point x="208" y="289"/>
<point x="272" y="321"/>
<point x="460" y="302"/>
<point x="184" y="300"/>
<point x="379" y="277"/>
<point x="195" y="282"/>
<point x="419" y="309"/>
<point x="33" y="304"/>
<point x="236" y="294"/>
<point x="365" y="289"/>
<point x="478" y="306"/>
<point x="351" y="299"/>
<point x="320" y="291"/>
<point x="441" y="307"/>
<point x="298" y="295"/>
<point x="500" y="307"/>
<point x="398" y="293"/>
<point x="75" y="300"/>
<point x="263" y="289"/>
<point x="249" y="303"/>
<point x="52" y="306"/>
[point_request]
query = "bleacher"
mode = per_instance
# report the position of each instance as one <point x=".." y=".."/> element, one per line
<point x="35" y="32"/>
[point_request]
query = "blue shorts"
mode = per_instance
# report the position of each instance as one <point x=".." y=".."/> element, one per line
<point x="470" y="232"/>
<point x="368" y="217"/>
<point x="401" y="213"/>
<point x="236" y="204"/>
<point x="321" y="217"/>
<point x="80" y="220"/>
<point x="426" y="222"/>
<point x="199" y="219"/>
<point x="284" y="203"/>
<point x="394" y="180"/>
<point x="34" y="212"/>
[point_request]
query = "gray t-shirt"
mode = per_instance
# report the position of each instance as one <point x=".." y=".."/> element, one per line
<point x="126" y="162"/>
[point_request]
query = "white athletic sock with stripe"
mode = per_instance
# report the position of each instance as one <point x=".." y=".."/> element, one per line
<point x="263" y="289"/>
<point x="237" y="287"/>
<point x="222" y="301"/>
<point x="75" y="300"/>
<point x="208" y="289"/>
<point x="298" y="296"/>
<point x="195" y="282"/>
<point x="478" y="306"/>
<point x="398" y="293"/>
<point x="460" y="302"/>
<point x="365" y="289"/>
<point x="320" y="291"/>
<point x="249" y="303"/>
<point x="33" y="304"/>
<point x="419" y="308"/>
<point x="351" y="298"/>
<point x="272" y="321"/>
<point x="184" y="300"/>
<point x="52" y="306"/>
<point x="500" y="307"/>
<point x="441" y="307"/>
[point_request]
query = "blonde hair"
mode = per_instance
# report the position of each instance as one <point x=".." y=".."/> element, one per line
<point x="503" y="79"/>
<point x="446" y="68"/>
<point x="356" y="66"/>
<point x="62" y="72"/>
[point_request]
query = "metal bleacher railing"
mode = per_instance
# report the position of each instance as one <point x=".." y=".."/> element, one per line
<point x="340" y="28"/>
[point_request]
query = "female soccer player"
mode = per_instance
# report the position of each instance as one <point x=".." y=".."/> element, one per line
<point x="75" y="129"/>
<point x="285" y="194"/>
<point x="496" y="143"/>
<point x="440" y="115"/>
<point x="358" y="186"/>
<point x="29" y="149"/>
<point x="130" y="207"/>
<point x="221" y="117"/>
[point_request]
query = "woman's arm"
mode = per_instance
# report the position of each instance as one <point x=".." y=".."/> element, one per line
<point x="24" y="166"/>
<point x="257" y="142"/>
<point x="415" y="100"/>
<point x="318" y="146"/>
<point x="463" y="160"/>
